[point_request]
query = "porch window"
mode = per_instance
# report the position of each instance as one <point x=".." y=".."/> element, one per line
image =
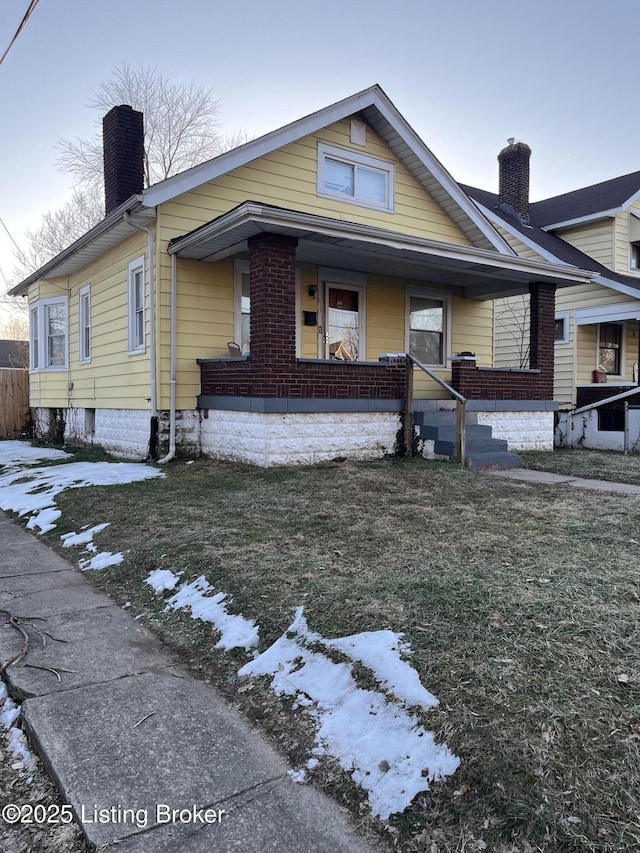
<point x="610" y="348"/>
<point x="354" y="177"/>
<point x="135" y="275"/>
<point x="35" y="338"/>
<point x="242" y="305"/>
<point x="428" y="329"/>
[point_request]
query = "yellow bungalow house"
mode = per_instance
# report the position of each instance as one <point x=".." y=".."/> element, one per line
<point x="258" y="306"/>
<point x="597" y="323"/>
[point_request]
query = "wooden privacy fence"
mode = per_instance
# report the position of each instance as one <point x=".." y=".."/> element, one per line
<point x="14" y="402"/>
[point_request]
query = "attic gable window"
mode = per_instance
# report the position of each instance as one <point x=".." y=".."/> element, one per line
<point x="356" y="178"/>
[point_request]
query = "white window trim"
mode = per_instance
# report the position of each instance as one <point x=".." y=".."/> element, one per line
<point x="84" y="293"/>
<point x="135" y="348"/>
<point x="240" y="268"/>
<point x="347" y="280"/>
<point x="634" y="270"/>
<point x="354" y="158"/>
<point x="623" y="348"/>
<point x="429" y="293"/>
<point x="38" y="310"/>
<point x="564" y="316"/>
<point x="34" y="337"/>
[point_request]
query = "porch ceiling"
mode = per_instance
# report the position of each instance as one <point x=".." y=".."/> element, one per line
<point x="480" y="274"/>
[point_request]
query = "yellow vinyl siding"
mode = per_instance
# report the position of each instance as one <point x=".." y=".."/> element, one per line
<point x="288" y="178"/>
<point x="622" y="248"/>
<point x="521" y="249"/>
<point x="593" y="238"/>
<point x="112" y="379"/>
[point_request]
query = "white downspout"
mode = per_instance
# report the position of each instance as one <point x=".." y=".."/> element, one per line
<point x="172" y="392"/>
<point x="152" y="312"/>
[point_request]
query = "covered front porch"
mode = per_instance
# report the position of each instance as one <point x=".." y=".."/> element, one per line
<point x="323" y="316"/>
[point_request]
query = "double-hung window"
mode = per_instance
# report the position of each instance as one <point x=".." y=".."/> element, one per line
<point x="48" y="334"/>
<point x="428" y="326"/>
<point x="135" y="278"/>
<point x="84" y="324"/>
<point x="350" y="176"/>
<point x="610" y="348"/>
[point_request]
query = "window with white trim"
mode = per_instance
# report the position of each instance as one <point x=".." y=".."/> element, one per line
<point x="610" y="348"/>
<point x="428" y="324"/>
<point x="135" y="278"/>
<point x="84" y="324"/>
<point x="634" y="242"/>
<point x="48" y="334"/>
<point x="242" y="305"/>
<point x="561" y="328"/>
<point x="34" y="338"/>
<point x="356" y="178"/>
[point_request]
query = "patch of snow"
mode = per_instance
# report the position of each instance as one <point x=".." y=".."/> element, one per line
<point x="85" y="537"/>
<point x="298" y="776"/>
<point x="101" y="561"/>
<point x="34" y="490"/>
<point x="386" y="750"/>
<point x="237" y="632"/>
<point x="9" y="713"/>
<point x="380" y="651"/>
<point x="161" y="579"/>
<point x="19" y="453"/>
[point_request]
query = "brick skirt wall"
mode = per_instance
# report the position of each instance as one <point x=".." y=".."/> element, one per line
<point x="303" y="380"/>
<point x="477" y="383"/>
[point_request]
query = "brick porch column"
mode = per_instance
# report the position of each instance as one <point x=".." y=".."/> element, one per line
<point x="272" y="289"/>
<point x="542" y="312"/>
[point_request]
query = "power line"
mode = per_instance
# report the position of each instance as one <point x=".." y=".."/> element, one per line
<point x="22" y="255"/>
<point x="27" y="14"/>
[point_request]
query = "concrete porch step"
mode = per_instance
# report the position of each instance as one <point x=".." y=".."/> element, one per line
<point x="494" y="460"/>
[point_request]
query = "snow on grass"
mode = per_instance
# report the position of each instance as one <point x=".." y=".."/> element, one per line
<point x="101" y="561"/>
<point x="85" y="537"/>
<point x="162" y="579"/>
<point x="19" y="453"/>
<point x="384" y="747"/>
<point x="237" y="632"/>
<point x="33" y="490"/>
<point x="9" y="713"/>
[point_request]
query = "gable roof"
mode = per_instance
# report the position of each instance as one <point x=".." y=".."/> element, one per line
<point x="383" y="117"/>
<point x="552" y="247"/>
<point x="14" y="353"/>
<point x="604" y="199"/>
<point x="376" y="109"/>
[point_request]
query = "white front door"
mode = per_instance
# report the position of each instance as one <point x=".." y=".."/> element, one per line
<point x="343" y="322"/>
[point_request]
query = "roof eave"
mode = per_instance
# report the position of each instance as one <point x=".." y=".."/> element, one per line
<point x="387" y="122"/>
<point x="64" y="261"/>
<point x="579" y="220"/>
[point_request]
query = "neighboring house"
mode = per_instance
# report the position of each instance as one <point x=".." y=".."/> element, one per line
<point x="14" y="354"/>
<point x="597" y="337"/>
<point x="241" y="309"/>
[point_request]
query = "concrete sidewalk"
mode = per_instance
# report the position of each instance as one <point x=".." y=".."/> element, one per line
<point x="547" y="478"/>
<point x="149" y="758"/>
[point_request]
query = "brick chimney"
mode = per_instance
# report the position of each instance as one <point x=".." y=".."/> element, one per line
<point x="123" y="140"/>
<point x="514" y="177"/>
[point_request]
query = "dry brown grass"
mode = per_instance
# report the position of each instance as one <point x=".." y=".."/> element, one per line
<point x="531" y="701"/>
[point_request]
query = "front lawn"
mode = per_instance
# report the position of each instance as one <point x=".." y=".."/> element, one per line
<point x="521" y="604"/>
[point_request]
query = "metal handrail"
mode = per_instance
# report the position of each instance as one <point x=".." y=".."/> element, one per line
<point x="461" y="421"/>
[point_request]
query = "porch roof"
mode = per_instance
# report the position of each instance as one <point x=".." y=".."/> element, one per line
<point x="479" y="273"/>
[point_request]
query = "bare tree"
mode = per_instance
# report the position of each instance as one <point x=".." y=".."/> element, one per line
<point x="181" y="127"/>
<point x="512" y="330"/>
